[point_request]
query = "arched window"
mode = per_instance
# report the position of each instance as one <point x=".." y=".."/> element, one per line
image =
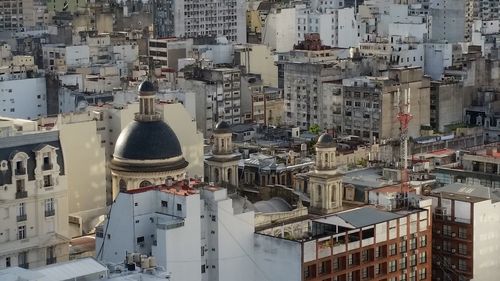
<point x="145" y="183"/>
<point x="122" y="185"/>
<point x="326" y="157"/>
<point x="216" y="175"/>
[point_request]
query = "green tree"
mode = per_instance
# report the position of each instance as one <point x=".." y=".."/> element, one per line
<point x="315" y="129"/>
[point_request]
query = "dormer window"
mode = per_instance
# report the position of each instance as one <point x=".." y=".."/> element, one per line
<point x="47" y="163"/>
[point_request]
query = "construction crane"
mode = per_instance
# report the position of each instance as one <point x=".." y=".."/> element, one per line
<point x="404" y="116"/>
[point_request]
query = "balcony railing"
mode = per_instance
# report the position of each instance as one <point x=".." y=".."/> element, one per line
<point x="20" y="171"/>
<point x="50" y="213"/>
<point x="47" y="166"/>
<point x="51" y="260"/>
<point x="21" y="194"/>
<point x="21" y="218"/>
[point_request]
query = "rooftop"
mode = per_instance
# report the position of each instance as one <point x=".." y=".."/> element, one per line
<point x="182" y="188"/>
<point x="467" y="192"/>
<point x="359" y="217"/>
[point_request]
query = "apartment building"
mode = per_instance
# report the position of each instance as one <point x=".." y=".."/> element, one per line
<point x="191" y="19"/>
<point x="267" y="106"/>
<point x="191" y="229"/>
<point x="465" y="228"/>
<point x="485" y="10"/>
<point x="165" y="52"/>
<point x="365" y="243"/>
<point x="371" y="104"/>
<point x="21" y="15"/>
<point x="34" y="200"/>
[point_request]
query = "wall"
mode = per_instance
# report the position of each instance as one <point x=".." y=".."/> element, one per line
<point x="260" y="60"/>
<point x="486" y="265"/>
<point x="280" y="30"/>
<point x="77" y="56"/>
<point x="277" y="259"/>
<point x="85" y="164"/>
<point x="23" y="98"/>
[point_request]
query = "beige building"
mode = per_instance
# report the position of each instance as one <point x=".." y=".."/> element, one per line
<point x="33" y="200"/>
<point x="258" y="59"/>
<point x="371" y="104"/>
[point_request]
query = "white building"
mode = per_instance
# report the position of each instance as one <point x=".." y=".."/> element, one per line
<point x="34" y="200"/>
<point x="23" y="97"/>
<point x="280" y="29"/>
<point x="336" y="25"/>
<point x="194" y="233"/>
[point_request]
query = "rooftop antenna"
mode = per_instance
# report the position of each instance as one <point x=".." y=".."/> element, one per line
<point x="404" y="116"/>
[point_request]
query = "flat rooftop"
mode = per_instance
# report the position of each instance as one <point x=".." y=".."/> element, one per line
<point x="467" y="192"/>
<point x="359" y="217"/>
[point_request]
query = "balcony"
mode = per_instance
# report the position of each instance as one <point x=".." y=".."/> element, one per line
<point x="50" y="213"/>
<point x="20" y="171"/>
<point x="21" y="218"/>
<point x="21" y="194"/>
<point x="51" y="260"/>
<point x="47" y="166"/>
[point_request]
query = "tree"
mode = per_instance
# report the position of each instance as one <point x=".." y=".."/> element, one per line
<point x="315" y="129"/>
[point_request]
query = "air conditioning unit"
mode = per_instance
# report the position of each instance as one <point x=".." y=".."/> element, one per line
<point x="453" y="266"/>
<point x="453" y="250"/>
<point x="438" y="247"/>
<point x="438" y="231"/>
<point x="453" y="234"/>
<point x="438" y="263"/>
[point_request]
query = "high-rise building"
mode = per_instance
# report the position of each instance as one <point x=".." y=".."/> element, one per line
<point x="479" y="10"/>
<point x="206" y="18"/>
<point x="34" y="199"/>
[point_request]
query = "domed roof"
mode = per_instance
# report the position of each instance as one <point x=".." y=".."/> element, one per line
<point x="325" y="140"/>
<point x="222" y="127"/>
<point x="147" y="88"/>
<point x="147" y="141"/>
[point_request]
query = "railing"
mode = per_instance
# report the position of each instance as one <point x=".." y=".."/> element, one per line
<point x="47" y="166"/>
<point x="21" y="194"/>
<point x="20" y="171"/>
<point x="49" y="213"/>
<point x="22" y="218"/>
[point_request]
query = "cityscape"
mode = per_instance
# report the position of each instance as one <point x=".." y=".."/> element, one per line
<point x="249" y="140"/>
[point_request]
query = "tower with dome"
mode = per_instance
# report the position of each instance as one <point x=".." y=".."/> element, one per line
<point x="147" y="151"/>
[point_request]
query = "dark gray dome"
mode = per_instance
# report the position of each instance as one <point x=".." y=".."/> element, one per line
<point x="147" y="141"/>
<point x="325" y="140"/>
<point x="146" y="88"/>
<point x="222" y="127"/>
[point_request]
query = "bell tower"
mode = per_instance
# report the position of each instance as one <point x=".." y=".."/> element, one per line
<point x="222" y="164"/>
<point x="325" y="182"/>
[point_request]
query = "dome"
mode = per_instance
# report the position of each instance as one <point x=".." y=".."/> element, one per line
<point x="147" y="88"/>
<point x="325" y="140"/>
<point x="147" y="141"/>
<point x="222" y="127"/>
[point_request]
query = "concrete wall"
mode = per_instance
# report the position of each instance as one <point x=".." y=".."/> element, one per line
<point x="277" y="259"/>
<point x="486" y="265"/>
<point x="280" y="30"/>
<point x="24" y="98"/>
<point x="85" y="165"/>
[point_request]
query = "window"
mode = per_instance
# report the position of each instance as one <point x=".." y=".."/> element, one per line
<point x="402" y="277"/>
<point x="51" y="255"/>
<point x="392" y="249"/>
<point x="413" y="243"/>
<point x="376" y="269"/>
<point x="412" y="275"/>
<point x="402" y="263"/>
<point x="423" y="240"/>
<point x="402" y="247"/>
<point x="47" y="181"/>
<point x="7" y="262"/>
<point x="447" y="230"/>
<point x="349" y="259"/>
<point x="335" y="263"/>
<point x="446" y="246"/>
<point x="364" y="255"/>
<point x="202" y="251"/>
<point x="462" y="249"/>
<point x="422" y="274"/>
<point x="22" y="259"/>
<point x="462" y="265"/>
<point x="423" y="257"/>
<point x="377" y="252"/>
<point x="164" y="204"/>
<point x="391" y="266"/>
<point x="413" y="260"/>
<point x="179" y="207"/>
<point x="214" y="218"/>
<point x="324" y="267"/>
<point x="462" y="233"/>
<point x="49" y="207"/>
<point x="202" y="268"/>
<point x="21" y="232"/>
<point x="364" y="273"/>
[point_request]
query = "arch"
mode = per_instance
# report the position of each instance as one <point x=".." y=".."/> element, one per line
<point x="229" y="175"/>
<point x="145" y="183"/>
<point x="122" y="185"/>
<point x="326" y="157"/>
<point x="216" y="175"/>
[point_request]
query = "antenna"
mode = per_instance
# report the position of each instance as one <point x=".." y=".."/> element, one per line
<point x="404" y="118"/>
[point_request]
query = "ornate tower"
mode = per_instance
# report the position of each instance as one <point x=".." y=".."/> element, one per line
<point x="147" y="151"/>
<point x="222" y="164"/>
<point x="325" y="182"/>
